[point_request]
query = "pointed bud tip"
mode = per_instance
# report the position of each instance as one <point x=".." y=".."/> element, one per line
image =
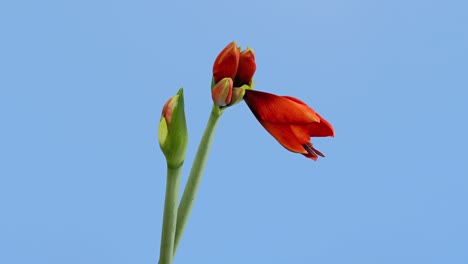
<point x="180" y="91"/>
<point x="168" y="108"/>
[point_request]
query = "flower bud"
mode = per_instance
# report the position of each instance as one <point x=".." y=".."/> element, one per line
<point x="238" y="94"/>
<point x="227" y="62"/>
<point x="222" y="92"/>
<point x="246" y="68"/>
<point x="172" y="130"/>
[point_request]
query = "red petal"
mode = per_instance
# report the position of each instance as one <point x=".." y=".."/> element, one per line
<point x="226" y="63"/>
<point x="301" y="133"/>
<point x="246" y="69"/>
<point x="285" y="136"/>
<point x="279" y="109"/>
<point x="321" y="129"/>
<point x="294" y="99"/>
<point x="310" y="156"/>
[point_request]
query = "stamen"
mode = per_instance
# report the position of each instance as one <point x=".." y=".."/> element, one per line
<point x="312" y="151"/>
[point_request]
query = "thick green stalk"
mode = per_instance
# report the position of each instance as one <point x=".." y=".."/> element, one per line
<point x="170" y="214"/>
<point x="193" y="182"/>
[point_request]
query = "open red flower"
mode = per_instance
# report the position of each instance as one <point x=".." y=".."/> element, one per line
<point x="289" y="120"/>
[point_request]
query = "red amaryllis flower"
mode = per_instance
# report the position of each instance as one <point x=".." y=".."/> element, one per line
<point x="289" y="120"/>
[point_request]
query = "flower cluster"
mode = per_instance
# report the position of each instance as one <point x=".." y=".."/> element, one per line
<point x="289" y="120"/>
<point x="233" y="71"/>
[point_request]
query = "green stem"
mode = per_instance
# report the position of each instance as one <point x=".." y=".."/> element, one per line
<point x="170" y="214"/>
<point x="193" y="182"/>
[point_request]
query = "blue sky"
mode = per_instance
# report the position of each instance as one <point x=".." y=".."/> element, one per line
<point x="82" y="84"/>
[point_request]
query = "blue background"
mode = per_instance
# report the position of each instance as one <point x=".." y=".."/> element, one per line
<point x="82" y="84"/>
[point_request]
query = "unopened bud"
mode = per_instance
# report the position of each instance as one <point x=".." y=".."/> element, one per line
<point x="172" y="130"/>
<point x="227" y="62"/>
<point x="246" y="68"/>
<point x="222" y="92"/>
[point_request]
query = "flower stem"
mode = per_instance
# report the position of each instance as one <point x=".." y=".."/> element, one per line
<point x="170" y="214"/>
<point x="193" y="182"/>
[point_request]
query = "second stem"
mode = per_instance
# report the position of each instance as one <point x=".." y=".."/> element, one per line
<point x="193" y="182"/>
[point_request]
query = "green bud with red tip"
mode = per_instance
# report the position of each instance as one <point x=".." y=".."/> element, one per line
<point x="222" y="92"/>
<point x="172" y="130"/>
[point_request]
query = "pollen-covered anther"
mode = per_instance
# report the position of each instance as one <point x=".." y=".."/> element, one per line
<point x="312" y="151"/>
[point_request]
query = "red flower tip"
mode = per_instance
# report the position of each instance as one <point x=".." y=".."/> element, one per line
<point x="246" y="69"/>
<point x="289" y="120"/>
<point x="168" y="108"/>
<point x="226" y="63"/>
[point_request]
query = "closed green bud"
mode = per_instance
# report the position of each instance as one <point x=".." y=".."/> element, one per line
<point x="172" y="130"/>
